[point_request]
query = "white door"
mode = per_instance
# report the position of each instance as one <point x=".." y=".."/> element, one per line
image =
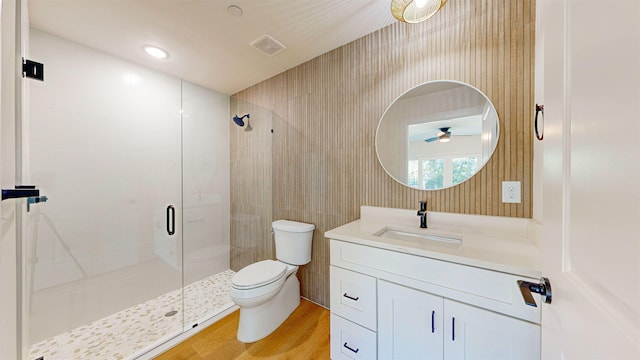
<point x="591" y="187"/>
<point x="471" y="333"/>
<point x="8" y="304"/>
<point x="409" y="323"/>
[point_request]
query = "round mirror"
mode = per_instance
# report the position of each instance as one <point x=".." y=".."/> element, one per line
<point x="437" y="135"/>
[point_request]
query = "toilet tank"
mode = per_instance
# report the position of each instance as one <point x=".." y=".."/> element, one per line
<point x="293" y="241"/>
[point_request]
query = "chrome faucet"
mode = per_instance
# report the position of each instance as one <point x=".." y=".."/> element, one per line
<point x="423" y="214"/>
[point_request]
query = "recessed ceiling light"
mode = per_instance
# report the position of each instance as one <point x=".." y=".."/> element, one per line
<point x="155" y="52"/>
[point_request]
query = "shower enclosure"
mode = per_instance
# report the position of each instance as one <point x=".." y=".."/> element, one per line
<point x="132" y="247"/>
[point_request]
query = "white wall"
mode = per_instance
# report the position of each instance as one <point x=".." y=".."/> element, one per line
<point x="105" y="148"/>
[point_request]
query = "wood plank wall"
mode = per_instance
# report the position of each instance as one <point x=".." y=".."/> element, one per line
<point x="324" y="114"/>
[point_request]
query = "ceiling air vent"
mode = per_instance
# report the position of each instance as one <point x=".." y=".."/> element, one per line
<point x="268" y="45"/>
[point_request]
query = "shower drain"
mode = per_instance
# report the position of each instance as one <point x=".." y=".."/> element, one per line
<point x="171" y="313"/>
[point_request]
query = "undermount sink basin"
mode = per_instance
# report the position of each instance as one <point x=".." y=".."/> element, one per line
<point x="417" y="235"/>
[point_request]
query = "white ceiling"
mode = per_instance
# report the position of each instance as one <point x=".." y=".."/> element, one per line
<point x="207" y="45"/>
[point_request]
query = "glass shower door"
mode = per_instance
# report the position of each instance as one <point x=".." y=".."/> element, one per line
<point x="104" y="253"/>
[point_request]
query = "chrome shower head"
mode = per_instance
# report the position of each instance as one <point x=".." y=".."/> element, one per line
<point x="239" y="121"/>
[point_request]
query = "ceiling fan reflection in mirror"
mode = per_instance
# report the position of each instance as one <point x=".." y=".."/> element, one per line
<point x="444" y="135"/>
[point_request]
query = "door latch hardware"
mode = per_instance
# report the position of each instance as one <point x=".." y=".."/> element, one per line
<point x="20" y="191"/>
<point x="539" y="129"/>
<point x="543" y="288"/>
<point x="32" y="69"/>
<point x="35" y="200"/>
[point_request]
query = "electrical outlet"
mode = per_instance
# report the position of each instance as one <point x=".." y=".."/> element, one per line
<point x="511" y="192"/>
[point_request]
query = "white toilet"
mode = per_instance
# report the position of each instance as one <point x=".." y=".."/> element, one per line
<point x="268" y="291"/>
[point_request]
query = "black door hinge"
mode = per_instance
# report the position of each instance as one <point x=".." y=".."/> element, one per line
<point x="32" y="69"/>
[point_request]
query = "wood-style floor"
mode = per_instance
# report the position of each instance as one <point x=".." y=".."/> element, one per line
<point x="304" y="335"/>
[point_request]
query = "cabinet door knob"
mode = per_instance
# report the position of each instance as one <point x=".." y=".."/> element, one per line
<point x="433" y="321"/>
<point x="350" y="348"/>
<point x="352" y="298"/>
<point x="453" y="329"/>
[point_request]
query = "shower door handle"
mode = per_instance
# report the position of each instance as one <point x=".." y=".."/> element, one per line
<point x="171" y="220"/>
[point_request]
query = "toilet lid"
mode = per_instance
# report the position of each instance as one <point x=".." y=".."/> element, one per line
<point x="258" y="274"/>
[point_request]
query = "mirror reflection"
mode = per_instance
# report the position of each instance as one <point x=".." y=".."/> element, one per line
<point x="437" y="135"/>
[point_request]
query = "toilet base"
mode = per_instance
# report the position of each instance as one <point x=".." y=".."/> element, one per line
<point x="258" y="322"/>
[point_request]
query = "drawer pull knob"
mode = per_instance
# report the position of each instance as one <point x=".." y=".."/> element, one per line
<point x="352" y="298"/>
<point x="350" y="348"/>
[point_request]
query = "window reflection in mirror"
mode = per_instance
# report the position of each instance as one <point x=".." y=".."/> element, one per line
<point x="437" y="135"/>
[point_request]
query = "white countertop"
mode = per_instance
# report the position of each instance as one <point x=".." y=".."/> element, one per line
<point x="494" y="243"/>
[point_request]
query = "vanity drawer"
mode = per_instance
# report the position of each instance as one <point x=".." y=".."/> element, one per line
<point x="353" y="296"/>
<point x="351" y="341"/>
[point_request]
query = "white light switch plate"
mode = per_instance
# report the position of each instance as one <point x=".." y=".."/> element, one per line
<point x="511" y="192"/>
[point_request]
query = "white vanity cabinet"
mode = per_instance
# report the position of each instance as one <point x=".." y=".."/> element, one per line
<point x="392" y="305"/>
<point x="410" y="323"/>
<point x="353" y="314"/>
<point x="474" y="333"/>
<point x="418" y="325"/>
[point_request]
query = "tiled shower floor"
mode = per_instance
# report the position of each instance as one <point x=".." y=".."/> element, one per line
<point x="135" y="330"/>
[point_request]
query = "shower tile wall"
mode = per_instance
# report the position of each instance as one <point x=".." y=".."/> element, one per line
<point x="251" y="183"/>
<point x="325" y="113"/>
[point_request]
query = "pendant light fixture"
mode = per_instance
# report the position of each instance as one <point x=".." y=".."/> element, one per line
<point x="415" y="11"/>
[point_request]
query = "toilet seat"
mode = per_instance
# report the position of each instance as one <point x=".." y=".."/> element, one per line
<point x="259" y="275"/>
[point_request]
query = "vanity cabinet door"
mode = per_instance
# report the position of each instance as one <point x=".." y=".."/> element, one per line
<point x="474" y="333"/>
<point x="409" y="323"/>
